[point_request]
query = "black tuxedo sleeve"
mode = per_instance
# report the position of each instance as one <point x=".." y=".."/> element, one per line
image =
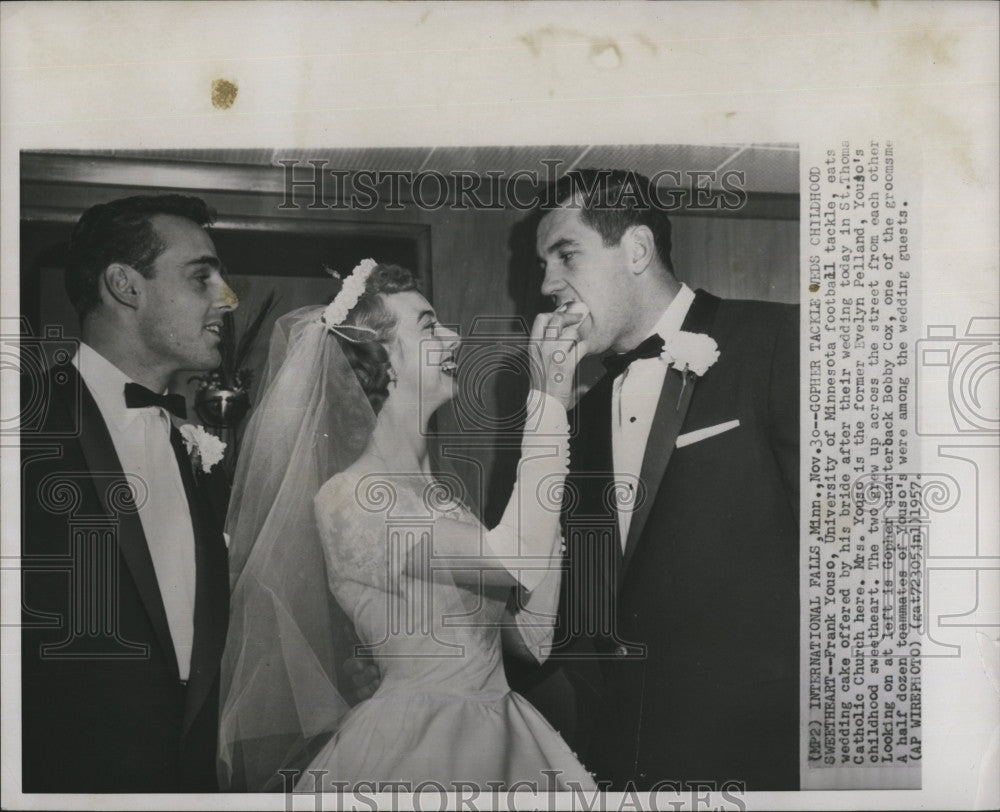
<point x="783" y="403"/>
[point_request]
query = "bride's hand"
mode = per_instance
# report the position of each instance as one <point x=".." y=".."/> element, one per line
<point x="557" y="349"/>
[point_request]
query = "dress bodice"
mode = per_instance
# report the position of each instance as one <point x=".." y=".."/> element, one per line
<point x="443" y="709"/>
<point x="420" y="625"/>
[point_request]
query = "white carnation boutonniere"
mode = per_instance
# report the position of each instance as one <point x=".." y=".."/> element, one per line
<point x="690" y="353"/>
<point x="204" y="447"/>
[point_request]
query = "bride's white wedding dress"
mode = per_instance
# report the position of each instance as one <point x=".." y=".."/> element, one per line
<point x="305" y="522"/>
<point x="443" y="711"/>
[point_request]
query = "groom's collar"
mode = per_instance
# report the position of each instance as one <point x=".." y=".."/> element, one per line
<point x="673" y="317"/>
<point x="701" y="313"/>
<point x="106" y="383"/>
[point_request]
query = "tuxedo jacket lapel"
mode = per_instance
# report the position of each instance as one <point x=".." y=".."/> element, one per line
<point x="99" y="451"/>
<point x="591" y="484"/>
<point x="671" y="409"/>
<point x="211" y="607"/>
<point x="675" y="398"/>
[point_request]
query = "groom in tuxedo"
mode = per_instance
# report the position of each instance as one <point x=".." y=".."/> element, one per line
<point x="680" y="617"/>
<point x="125" y="577"/>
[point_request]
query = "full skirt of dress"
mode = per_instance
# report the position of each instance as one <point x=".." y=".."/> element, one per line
<point x="443" y="711"/>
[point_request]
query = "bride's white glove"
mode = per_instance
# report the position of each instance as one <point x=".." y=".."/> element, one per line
<point x="527" y="538"/>
<point x="556" y="349"/>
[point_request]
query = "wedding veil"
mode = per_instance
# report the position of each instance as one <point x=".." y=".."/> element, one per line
<point x="287" y="635"/>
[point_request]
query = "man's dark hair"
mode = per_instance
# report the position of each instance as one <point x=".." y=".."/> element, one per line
<point x="612" y="201"/>
<point x="121" y="231"/>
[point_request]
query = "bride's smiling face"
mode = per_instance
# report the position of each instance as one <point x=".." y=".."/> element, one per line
<point x="423" y="354"/>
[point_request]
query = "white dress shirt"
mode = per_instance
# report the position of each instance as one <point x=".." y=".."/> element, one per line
<point x="142" y="439"/>
<point x="634" y="395"/>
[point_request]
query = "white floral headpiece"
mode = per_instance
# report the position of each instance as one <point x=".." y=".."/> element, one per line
<point x="351" y="290"/>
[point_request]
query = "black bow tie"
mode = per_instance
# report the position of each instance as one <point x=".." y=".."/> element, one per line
<point x="138" y="396"/>
<point x="650" y="348"/>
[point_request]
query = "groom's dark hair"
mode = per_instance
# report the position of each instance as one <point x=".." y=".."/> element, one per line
<point x="121" y="231"/>
<point x="612" y="201"/>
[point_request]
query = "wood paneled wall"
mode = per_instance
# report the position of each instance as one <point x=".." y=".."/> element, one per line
<point x="482" y="262"/>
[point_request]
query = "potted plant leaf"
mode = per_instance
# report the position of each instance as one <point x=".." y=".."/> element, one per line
<point x="223" y="396"/>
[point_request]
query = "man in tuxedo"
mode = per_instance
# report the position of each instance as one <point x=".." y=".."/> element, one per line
<point x="125" y="576"/>
<point x="680" y="613"/>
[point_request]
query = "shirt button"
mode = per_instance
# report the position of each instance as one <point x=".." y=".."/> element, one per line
<point x="621" y="651"/>
<point x="631" y="420"/>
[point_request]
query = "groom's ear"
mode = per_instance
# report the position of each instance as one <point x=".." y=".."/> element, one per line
<point x="120" y="282"/>
<point x="640" y="248"/>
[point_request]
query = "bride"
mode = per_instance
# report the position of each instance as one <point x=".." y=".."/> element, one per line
<point x="339" y="528"/>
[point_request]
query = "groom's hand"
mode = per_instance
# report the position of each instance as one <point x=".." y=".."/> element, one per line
<point x="364" y="676"/>
<point x="557" y="346"/>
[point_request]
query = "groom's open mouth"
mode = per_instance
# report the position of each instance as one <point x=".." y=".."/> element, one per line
<point x="215" y="328"/>
<point x="449" y="366"/>
<point x="564" y="304"/>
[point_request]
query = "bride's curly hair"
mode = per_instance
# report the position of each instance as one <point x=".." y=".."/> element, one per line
<point x="369" y="359"/>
